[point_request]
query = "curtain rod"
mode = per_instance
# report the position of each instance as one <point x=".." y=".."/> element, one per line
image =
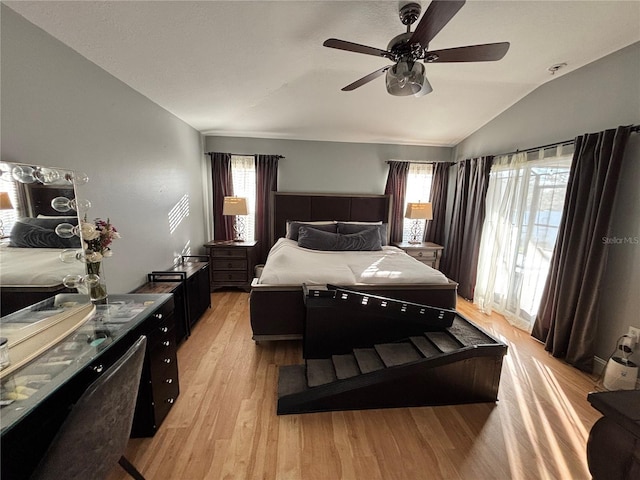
<point x="247" y="154"/>
<point x="634" y="129"/>
<point x="418" y="161"/>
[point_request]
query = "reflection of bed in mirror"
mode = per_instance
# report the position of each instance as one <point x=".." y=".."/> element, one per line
<point x="30" y="265"/>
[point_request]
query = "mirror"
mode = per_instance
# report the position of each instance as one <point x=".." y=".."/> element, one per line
<point x="39" y="245"/>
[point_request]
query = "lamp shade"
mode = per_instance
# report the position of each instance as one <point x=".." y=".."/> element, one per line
<point x="234" y="206"/>
<point x="5" y="201"/>
<point x="419" y="211"/>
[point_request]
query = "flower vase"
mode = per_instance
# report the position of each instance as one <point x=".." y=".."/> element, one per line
<point x="97" y="285"/>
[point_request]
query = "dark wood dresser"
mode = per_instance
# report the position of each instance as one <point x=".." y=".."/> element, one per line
<point x="231" y="263"/>
<point x="193" y="273"/>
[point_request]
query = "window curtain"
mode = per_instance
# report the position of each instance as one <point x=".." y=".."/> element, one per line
<point x="266" y="182"/>
<point x="524" y="205"/>
<point x="439" y="188"/>
<point x="567" y="320"/>
<point x="460" y="255"/>
<point x="396" y="187"/>
<point x="222" y="187"/>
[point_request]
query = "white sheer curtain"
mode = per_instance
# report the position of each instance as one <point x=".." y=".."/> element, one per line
<point x="243" y="176"/>
<point x="524" y="205"/>
<point x="418" y="190"/>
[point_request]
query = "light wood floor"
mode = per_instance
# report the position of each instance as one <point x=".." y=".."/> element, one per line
<point x="224" y="425"/>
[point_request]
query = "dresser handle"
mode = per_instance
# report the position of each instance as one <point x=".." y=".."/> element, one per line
<point x="166" y="343"/>
<point x="169" y="380"/>
<point x="170" y="401"/>
<point x="164" y="329"/>
<point x="98" y="368"/>
<point x="229" y="265"/>
<point x="419" y="254"/>
<point x="158" y="316"/>
<point x="166" y="360"/>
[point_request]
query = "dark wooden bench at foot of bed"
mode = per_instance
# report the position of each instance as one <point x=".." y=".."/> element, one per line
<point x="277" y="312"/>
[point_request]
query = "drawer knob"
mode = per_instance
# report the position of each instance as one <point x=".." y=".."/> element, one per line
<point x="158" y="316"/>
<point x="166" y="360"/>
<point x="98" y="368"/>
<point x="164" y="329"/>
<point x="419" y="254"/>
<point x="166" y="343"/>
<point x="170" y="401"/>
<point x="229" y="265"/>
<point x="168" y="380"/>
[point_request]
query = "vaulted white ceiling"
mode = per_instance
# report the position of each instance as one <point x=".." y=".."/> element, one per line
<point x="258" y="68"/>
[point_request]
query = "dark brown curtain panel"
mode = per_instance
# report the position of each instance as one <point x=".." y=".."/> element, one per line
<point x="460" y="255"/>
<point x="397" y="187"/>
<point x="567" y="319"/>
<point x="266" y="182"/>
<point x="222" y="187"/>
<point x="439" y="187"/>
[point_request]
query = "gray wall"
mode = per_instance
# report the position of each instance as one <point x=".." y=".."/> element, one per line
<point x="599" y="96"/>
<point x="329" y="166"/>
<point x="60" y="109"/>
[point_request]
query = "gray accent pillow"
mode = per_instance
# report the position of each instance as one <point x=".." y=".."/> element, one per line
<point x="294" y="227"/>
<point x="313" y="239"/>
<point x="349" y="228"/>
<point x="28" y="235"/>
<point x="49" y="223"/>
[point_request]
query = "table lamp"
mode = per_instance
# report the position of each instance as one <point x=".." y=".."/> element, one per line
<point x="5" y="204"/>
<point x="416" y="212"/>
<point x="237" y="207"/>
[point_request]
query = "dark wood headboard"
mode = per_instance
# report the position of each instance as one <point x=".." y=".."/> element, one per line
<point x="309" y="207"/>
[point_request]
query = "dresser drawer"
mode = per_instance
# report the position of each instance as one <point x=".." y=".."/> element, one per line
<point x="229" y="253"/>
<point x="229" y="276"/>
<point x="230" y="264"/>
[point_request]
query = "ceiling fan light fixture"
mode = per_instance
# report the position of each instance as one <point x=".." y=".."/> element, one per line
<point x="404" y="79"/>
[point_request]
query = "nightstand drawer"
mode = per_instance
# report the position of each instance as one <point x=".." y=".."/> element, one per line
<point x="229" y="276"/>
<point x="230" y="264"/>
<point x="422" y="255"/>
<point x="229" y="252"/>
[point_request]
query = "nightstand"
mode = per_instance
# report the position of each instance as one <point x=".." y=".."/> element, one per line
<point x="425" y="252"/>
<point x="231" y="263"/>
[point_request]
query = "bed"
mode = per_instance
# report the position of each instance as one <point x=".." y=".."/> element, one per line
<point x="277" y="308"/>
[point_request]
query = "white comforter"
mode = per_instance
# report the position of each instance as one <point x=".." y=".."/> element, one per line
<point x="289" y="264"/>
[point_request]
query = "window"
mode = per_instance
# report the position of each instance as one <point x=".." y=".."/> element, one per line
<point x="243" y="175"/>
<point x="524" y="204"/>
<point x="418" y="190"/>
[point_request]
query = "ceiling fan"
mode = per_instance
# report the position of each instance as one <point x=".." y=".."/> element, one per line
<point x="407" y="75"/>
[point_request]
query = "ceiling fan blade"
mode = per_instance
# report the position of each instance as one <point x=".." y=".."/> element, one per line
<point x="438" y="14"/>
<point x="366" y="79"/>
<point x="488" y="52"/>
<point x="354" y="47"/>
